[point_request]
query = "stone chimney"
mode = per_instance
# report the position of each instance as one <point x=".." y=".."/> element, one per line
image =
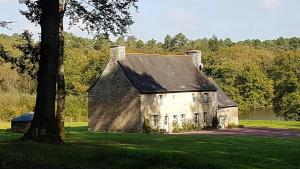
<point x="196" y="58"/>
<point x="117" y="53"/>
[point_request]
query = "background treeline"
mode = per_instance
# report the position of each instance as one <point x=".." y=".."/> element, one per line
<point x="253" y="73"/>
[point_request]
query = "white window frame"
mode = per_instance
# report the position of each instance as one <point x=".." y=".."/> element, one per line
<point x="155" y="120"/>
<point x="183" y="117"/>
<point x="205" y="97"/>
<point x="160" y="99"/>
<point x="197" y="118"/>
<point x="205" y="118"/>
<point x="175" y="118"/>
<point x="166" y="120"/>
<point x="195" y="98"/>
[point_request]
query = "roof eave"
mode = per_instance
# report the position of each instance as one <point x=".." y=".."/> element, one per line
<point x="230" y="106"/>
<point x="181" y="91"/>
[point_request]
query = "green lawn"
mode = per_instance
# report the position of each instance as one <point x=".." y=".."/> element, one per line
<point x="4" y="125"/>
<point x="271" y="124"/>
<point x="85" y="149"/>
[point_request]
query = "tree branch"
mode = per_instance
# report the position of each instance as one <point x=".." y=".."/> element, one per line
<point x="5" y="24"/>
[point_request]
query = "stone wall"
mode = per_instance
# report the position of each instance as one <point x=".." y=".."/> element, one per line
<point x="229" y="115"/>
<point x="113" y="103"/>
<point x="181" y="106"/>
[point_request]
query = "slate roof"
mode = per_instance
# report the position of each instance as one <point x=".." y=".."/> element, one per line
<point x="26" y="117"/>
<point x="223" y="100"/>
<point x="164" y="74"/>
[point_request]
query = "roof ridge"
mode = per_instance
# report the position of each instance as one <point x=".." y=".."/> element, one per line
<point x="149" y="54"/>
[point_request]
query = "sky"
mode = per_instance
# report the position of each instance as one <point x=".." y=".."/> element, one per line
<point x="235" y="19"/>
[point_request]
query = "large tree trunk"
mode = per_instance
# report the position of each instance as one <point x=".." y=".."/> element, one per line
<point x="61" y="87"/>
<point x="44" y="125"/>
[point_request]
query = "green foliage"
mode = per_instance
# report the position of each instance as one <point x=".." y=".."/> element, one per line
<point x="72" y="41"/>
<point x="215" y="122"/>
<point x="176" y="127"/>
<point x="11" y="81"/>
<point x="120" y="41"/>
<point x="253" y="73"/>
<point x="291" y="106"/>
<point x="214" y="43"/>
<point x="102" y="43"/>
<point x="242" y="73"/>
<point x="27" y="62"/>
<point x="188" y="125"/>
<point x="146" y="126"/>
<point x="76" y="108"/>
<point x="15" y="103"/>
<point x="83" y="66"/>
<point x="286" y="76"/>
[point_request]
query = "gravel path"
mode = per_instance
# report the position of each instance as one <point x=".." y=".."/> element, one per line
<point x="248" y="131"/>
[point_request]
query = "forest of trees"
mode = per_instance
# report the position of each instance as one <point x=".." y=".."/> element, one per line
<point x="253" y="73"/>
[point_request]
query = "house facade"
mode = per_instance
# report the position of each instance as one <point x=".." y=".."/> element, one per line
<point x="168" y="92"/>
<point x="163" y="110"/>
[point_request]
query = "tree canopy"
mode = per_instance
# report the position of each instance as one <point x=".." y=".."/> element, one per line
<point x="253" y="74"/>
<point x="95" y="16"/>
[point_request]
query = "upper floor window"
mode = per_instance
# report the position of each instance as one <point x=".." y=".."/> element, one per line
<point x="160" y="99"/>
<point x="205" y="98"/>
<point x="195" y="99"/>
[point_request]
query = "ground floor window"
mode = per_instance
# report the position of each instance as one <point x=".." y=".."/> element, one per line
<point x="196" y="120"/>
<point x="205" y="118"/>
<point x="155" y="120"/>
<point x="175" y="117"/>
<point x="182" y="118"/>
<point x="166" y="120"/>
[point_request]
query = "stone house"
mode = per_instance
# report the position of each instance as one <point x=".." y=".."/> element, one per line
<point x="164" y="90"/>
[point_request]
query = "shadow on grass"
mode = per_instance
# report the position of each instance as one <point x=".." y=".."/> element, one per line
<point x="31" y="155"/>
<point x="86" y="149"/>
<point x="77" y="129"/>
<point x="7" y="135"/>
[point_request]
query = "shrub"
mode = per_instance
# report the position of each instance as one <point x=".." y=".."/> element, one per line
<point x="189" y="125"/>
<point x="215" y="122"/>
<point x="146" y="126"/>
<point x="176" y="127"/>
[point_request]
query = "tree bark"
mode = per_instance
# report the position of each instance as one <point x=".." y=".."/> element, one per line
<point x="61" y="87"/>
<point x="44" y="126"/>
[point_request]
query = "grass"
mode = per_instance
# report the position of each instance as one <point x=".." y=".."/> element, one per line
<point x="271" y="124"/>
<point x="85" y="149"/>
<point x="4" y="125"/>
